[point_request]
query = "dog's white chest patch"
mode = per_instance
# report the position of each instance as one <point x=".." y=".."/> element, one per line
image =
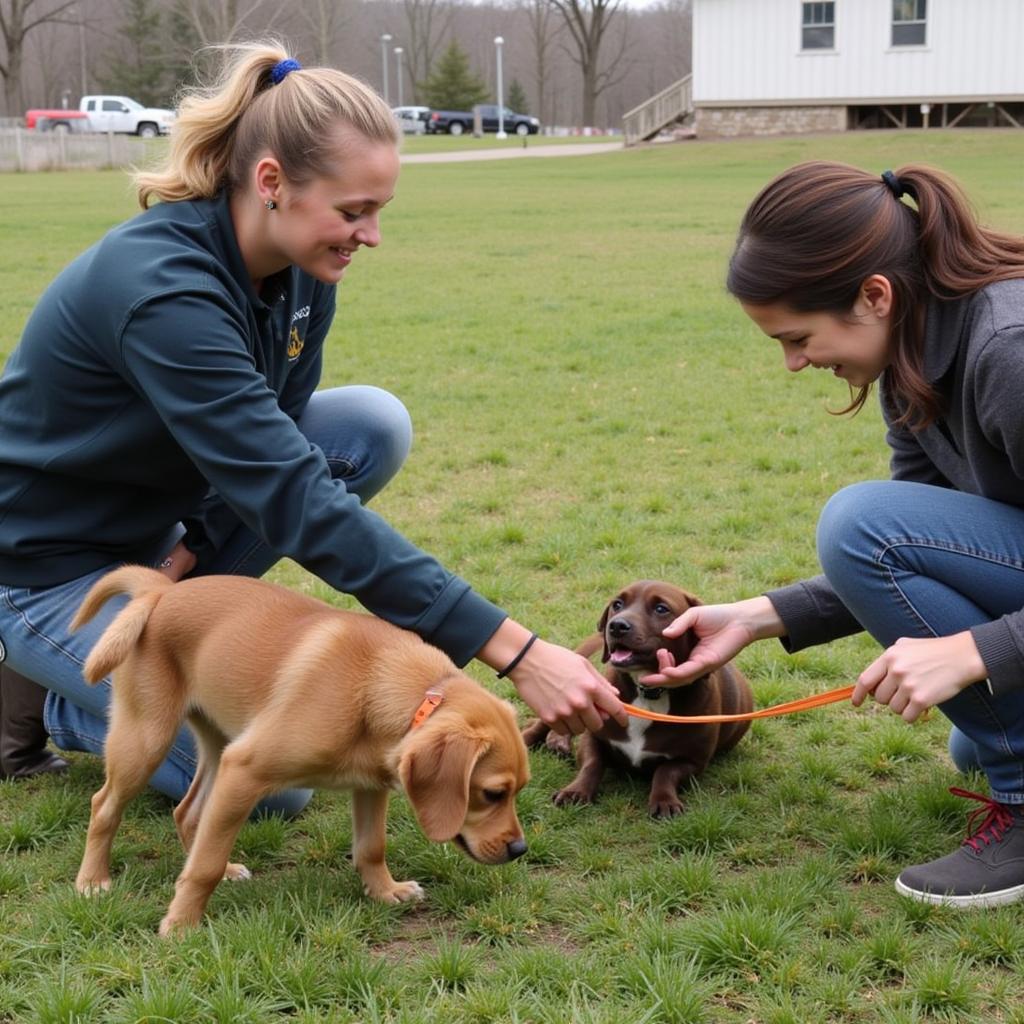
<point x="632" y="747"/>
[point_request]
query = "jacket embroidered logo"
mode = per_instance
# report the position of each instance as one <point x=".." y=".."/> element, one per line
<point x="295" y="344"/>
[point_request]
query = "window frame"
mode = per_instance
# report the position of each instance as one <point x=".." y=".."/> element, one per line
<point x="807" y="7"/>
<point x="919" y="20"/>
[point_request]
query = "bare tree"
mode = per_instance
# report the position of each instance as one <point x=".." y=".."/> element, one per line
<point x="428" y="21"/>
<point x="222" y="21"/>
<point x="587" y="22"/>
<point x="323" y="21"/>
<point x="543" y="36"/>
<point x="19" y="18"/>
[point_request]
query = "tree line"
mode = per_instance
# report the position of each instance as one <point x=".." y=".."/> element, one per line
<point x="571" y="63"/>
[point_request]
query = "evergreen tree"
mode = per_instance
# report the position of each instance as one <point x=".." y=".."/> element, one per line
<point x="185" y="55"/>
<point x="517" y="98"/>
<point x="137" y="68"/>
<point x="452" y="86"/>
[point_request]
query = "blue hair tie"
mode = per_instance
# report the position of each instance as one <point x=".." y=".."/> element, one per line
<point x="280" y="71"/>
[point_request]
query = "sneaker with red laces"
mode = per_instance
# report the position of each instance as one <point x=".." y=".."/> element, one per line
<point x="987" y="870"/>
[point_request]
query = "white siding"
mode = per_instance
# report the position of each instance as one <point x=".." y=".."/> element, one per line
<point x="749" y="51"/>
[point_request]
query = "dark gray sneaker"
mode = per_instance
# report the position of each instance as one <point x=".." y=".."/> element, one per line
<point x="987" y="870"/>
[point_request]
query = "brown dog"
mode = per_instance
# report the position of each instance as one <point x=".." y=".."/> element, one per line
<point x="283" y="690"/>
<point x="630" y="634"/>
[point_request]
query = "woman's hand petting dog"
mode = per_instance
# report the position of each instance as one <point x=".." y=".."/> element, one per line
<point x="721" y="630"/>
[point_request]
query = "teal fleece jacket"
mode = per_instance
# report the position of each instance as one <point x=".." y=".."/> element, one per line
<point x="152" y="386"/>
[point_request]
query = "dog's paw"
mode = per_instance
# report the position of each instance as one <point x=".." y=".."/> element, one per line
<point x="534" y="731"/>
<point x="572" y="795"/>
<point x="399" y="892"/>
<point x="237" y="873"/>
<point x="667" y="807"/>
<point x="559" y="744"/>
<point x="92" y="886"/>
<point x="171" y="926"/>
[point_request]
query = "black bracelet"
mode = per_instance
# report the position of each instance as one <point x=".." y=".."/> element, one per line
<point x="518" y="658"/>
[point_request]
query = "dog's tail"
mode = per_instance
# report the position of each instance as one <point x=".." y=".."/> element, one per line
<point x="146" y="587"/>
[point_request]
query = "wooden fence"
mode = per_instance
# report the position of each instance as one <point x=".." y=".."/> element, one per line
<point x="25" y="150"/>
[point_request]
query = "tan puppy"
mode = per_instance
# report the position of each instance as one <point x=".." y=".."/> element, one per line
<point x="630" y="635"/>
<point x="283" y="690"/>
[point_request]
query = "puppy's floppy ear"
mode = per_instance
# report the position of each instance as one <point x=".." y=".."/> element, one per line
<point x="435" y="770"/>
<point x="601" y="625"/>
<point x="681" y="646"/>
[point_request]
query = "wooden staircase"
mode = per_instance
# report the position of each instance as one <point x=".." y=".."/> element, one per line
<point x="667" y="107"/>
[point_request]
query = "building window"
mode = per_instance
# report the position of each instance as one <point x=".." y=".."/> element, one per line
<point x="909" y="18"/>
<point x="818" y="30"/>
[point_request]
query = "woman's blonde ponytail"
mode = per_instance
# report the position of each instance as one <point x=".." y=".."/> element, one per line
<point x="222" y="129"/>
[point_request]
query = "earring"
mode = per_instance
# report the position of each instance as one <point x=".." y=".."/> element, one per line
<point x="270" y="204"/>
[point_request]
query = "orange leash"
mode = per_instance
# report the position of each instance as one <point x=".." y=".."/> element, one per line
<point x="803" y="704"/>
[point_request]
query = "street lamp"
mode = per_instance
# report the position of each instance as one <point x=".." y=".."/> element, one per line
<point x="384" y="40"/>
<point x="498" y="43"/>
<point x="398" y="69"/>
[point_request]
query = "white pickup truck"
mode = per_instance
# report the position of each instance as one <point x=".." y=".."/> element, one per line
<point x="122" y="115"/>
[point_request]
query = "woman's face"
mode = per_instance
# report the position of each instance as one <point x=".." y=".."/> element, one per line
<point x="854" y="347"/>
<point x="320" y="226"/>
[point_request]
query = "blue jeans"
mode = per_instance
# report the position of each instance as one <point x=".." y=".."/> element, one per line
<point x="914" y="560"/>
<point x="365" y="434"/>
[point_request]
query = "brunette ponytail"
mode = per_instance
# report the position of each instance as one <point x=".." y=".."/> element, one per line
<point x="818" y="230"/>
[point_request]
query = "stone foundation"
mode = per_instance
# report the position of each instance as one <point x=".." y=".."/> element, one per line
<point x="729" y="122"/>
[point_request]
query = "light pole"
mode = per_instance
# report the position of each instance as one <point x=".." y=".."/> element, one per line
<point x="398" y="71"/>
<point x="498" y="43"/>
<point x="384" y="40"/>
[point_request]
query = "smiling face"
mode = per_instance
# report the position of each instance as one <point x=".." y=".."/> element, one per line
<point x="854" y="347"/>
<point x="319" y="226"/>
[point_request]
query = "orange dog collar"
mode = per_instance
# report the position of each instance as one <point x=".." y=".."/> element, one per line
<point x="430" y="704"/>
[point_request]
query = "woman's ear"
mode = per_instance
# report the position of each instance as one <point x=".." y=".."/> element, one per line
<point x="876" y="295"/>
<point x="268" y="177"/>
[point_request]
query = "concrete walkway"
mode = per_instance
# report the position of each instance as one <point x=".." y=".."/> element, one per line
<point x="570" y="149"/>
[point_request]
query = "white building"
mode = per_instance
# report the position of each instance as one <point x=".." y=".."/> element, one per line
<point x="764" y="66"/>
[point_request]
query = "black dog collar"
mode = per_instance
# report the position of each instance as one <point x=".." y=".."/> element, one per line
<point x="649" y="692"/>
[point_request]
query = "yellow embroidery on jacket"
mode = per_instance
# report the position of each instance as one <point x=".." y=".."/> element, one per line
<point x="295" y="344"/>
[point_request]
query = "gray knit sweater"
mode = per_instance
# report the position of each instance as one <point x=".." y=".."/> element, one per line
<point x="974" y="356"/>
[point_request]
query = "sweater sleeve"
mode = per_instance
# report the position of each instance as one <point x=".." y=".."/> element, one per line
<point x="187" y="355"/>
<point x="812" y="614"/>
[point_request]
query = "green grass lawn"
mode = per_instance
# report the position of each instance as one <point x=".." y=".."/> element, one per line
<point x="590" y="408"/>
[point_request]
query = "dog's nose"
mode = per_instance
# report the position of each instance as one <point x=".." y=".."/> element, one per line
<point x="619" y="627"/>
<point x="516" y="848"/>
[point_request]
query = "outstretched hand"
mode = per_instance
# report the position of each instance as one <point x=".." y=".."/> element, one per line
<point x="722" y="631"/>
<point x="565" y="690"/>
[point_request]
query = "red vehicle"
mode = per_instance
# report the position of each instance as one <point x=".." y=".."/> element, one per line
<point x="57" y="120"/>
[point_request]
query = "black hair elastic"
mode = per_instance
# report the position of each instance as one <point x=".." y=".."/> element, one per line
<point x="894" y="183"/>
<point x="518" y="658"/>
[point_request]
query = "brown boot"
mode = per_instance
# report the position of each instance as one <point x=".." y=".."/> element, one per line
<point x="23" y="736"/>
